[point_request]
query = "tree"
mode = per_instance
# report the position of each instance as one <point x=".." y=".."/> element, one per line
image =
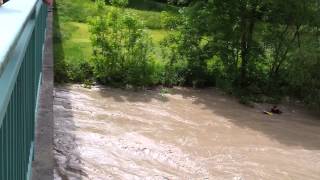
<point x="259" y="43"/>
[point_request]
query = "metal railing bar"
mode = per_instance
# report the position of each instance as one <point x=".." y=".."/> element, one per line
<point x="10" y="74"/>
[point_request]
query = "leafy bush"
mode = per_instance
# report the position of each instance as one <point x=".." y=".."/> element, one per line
<point x="169" y="20"/>
<point x="176" y="67"/>
<point x="122" y="49"/>
<point x="80" y="72"/>
<point x="304" y="76"/>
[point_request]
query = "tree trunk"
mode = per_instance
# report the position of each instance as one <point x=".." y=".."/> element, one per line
<point x="248" y="24"/>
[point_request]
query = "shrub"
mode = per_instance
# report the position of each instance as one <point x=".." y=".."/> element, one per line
<point x="122" y="49"/>
<point x="169" y="20"/>
<point x="176" y="67"/>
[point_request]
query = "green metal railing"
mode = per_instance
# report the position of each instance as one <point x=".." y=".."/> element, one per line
<point x="20" y="79"/>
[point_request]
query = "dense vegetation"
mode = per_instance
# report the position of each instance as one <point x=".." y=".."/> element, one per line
<point x="122" y="49"/>
<point x="72" y="38"/>
<point x="256" y="49"/>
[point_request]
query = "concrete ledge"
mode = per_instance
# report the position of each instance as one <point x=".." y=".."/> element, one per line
<point x="43" y="165"/>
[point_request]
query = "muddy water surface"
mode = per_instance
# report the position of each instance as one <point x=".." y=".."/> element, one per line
<point x="105" y="133"/>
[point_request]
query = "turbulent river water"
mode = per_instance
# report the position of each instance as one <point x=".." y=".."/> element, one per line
<point x="105" y="133"/>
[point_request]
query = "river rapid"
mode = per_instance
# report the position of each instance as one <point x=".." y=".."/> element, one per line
<point x="106" y="133"/>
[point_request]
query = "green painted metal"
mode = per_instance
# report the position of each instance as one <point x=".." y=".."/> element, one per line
<point x="20" y="81"/>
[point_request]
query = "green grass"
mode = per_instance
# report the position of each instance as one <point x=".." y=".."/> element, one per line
<point x="158" y="35"/>
<point x="150" y="19"/>
<point x="77" y="47"/>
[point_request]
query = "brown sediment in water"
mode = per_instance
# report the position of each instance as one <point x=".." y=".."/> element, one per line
<point x="106" y="133"/>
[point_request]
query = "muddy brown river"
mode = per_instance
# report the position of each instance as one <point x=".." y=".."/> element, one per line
<point x="105" y="133"/>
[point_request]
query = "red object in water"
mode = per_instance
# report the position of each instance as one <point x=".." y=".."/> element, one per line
<point x="49" y="2"/>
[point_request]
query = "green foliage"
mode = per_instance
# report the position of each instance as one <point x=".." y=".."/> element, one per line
<point x="119" y="3"/>
<point x="176" y="67"/>
<point x="169" y="20"/>
<point x="60" y="69"/>
<point x="149" y="12"/>
<point x="303" y="75"/>
<point x="122" y="48"/>
<point x="79" y="72"/>
<point x="150" y="19"/>
<point x="250" y="48"/>
<point x="151" y="5"/>
<point x="72" y="45"/>
<point x="257" y="50"/>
